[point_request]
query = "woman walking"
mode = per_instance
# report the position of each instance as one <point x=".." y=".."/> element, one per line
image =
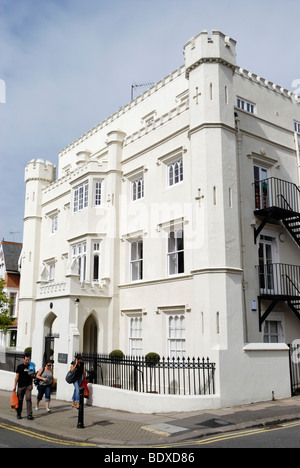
<point x="78" y="367"/>
<point x="45" y="376"/>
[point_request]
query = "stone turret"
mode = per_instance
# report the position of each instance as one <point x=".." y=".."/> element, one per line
<point x="210" y="63"/>
<point x="216" y="48"/>
<point x="38" y="174"/>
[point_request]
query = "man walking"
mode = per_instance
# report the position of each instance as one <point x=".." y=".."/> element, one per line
<point x="24" y="382"/>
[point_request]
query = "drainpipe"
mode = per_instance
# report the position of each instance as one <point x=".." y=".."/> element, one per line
<point x="298" y="156"/>
<point x="74" y="332"/>
<point x="238" y="154"/>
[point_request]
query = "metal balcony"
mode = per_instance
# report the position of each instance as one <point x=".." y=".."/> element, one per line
<point x="280" y="200"/>
<point x="278" y="282"/>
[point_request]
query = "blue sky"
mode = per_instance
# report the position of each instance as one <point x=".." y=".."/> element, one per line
<point x="69" y="64"/>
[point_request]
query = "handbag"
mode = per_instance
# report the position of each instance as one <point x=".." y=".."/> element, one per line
<point x="14" y="401"/>
<point x="86" y="390"/>
<point x="70" y="377"/>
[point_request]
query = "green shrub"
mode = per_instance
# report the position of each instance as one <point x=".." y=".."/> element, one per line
<point x="28" y="351"/>
<point x="116" y="355"/>
<point x="152" y="359"/>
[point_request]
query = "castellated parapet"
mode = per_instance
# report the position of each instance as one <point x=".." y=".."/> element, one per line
<point x="215" y="48"/>
<point x="37" y="169"/>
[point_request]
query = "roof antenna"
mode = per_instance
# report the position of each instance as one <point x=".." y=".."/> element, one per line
<point x="14" y="234"/>
<point x="142" y="85"/>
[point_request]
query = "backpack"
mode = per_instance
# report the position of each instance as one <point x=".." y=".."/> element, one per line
<point x="37" y="381"/>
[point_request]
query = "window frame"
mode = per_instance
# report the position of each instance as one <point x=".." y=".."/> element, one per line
<point x="97" y="194"/>
<point x="54" y="224"/>
<point x="96" y="254"/>
<point x="137" y="188"/>
<point x="176" y="335"/>
<point x="51" y="271"/>
<point x="138" y="261"/>
<point x="79" y="253"/>
<point x="177" y="252"/>
<point x="175" y="172"/>
<point x="262" y="192"/>
<point x="267" y="334"/>
<point x="80" y="197"/>
<point x="245" y="105"/>
<point x="297" y="126"/>
<point x="135" y="335"/>
<point x="13" y="307"/>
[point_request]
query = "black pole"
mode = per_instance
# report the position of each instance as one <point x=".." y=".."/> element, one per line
<point x="80" y="424"/>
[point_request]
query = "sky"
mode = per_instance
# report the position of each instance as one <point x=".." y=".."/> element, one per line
<point x="67" y="65"/>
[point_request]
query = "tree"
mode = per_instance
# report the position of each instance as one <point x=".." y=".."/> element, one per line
<point x="5" y="319"/>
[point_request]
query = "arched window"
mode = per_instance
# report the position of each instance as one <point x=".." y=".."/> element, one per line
<point x="175" y="172"/>
<point x="79" y="254"/>
<point x="137" y="189"/>
<point x="176" y="335"/>
<point x="135" y="336"/>
<point x="96" y="261"/>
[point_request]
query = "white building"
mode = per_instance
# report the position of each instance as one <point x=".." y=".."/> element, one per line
<point x="9" y="271"/>
<point x="151" y="235"/>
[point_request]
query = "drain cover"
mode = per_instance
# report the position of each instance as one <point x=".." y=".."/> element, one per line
<point x="212" y="423"/>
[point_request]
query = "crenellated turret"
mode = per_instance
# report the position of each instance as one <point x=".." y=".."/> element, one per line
<point x="210" y="63"/>
<point x="39" y="169"/>
<point x="38" y="174"/>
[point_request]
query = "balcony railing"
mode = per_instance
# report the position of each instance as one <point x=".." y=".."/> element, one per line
<point x="276" y="193"/>
<point x="279" y="280"/>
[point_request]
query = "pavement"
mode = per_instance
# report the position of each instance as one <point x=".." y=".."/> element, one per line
<point x="111" y="428"/>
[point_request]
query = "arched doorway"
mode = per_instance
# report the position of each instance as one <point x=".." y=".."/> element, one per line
<point x="49" y="337"/>
<point x="90" y="335"/>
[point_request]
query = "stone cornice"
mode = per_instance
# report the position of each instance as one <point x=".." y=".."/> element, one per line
<point x="209" y="60"/>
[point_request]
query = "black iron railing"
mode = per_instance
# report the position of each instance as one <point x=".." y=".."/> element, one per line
<point x="279" y="279"/>
<point x="9" y="360"/>
<point x="276" y="193"/>
<point x="295" y="367"/>
<point x="182" y="376"/>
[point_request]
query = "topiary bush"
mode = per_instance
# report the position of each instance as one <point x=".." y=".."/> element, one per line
<point x="116" y="355"/>
<point x="152" y="359"/>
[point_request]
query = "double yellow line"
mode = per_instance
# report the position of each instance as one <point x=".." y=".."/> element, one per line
<point x="250" y="432"/>
<point x="225" y="436"/>
<point x="43" y="437"/>
<point x="204" y="441"/>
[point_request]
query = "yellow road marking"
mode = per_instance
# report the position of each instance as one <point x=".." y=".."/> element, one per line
<point x="43" y="437"/>
<point x="204" y="441"/>
<point x="236" y="435"/>
<point x="223" y="436"/>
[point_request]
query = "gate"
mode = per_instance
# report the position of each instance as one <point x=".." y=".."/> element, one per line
<point x="295" y="367"/>
<point x="49" y="347"/>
